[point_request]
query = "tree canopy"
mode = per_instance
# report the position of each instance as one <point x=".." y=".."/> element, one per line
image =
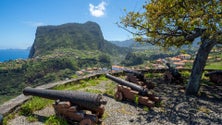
<point x="176" y="23"/>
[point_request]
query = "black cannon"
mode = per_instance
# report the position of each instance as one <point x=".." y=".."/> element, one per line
<point x="139" y="75"/>
<point x="1" y="119"/>
<point x="69" y="103"/>
<point x="140" y="89"/>
<point x="172" y="75"/>
<point x="138" y="78"/>
<point x="133" y="92"/>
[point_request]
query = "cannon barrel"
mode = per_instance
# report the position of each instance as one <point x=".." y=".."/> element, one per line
<point x="140" y="89"/>
<point x="82" y="99"/>
<point x="136" y="73"/>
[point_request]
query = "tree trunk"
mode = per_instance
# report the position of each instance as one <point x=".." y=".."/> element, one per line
<point x="198" y="66"/>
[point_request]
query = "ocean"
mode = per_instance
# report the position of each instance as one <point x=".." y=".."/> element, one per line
<point x="13" y="54"/>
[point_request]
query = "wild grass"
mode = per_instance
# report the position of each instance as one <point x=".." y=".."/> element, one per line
<point x="36" y="103"/>
<point x="32" y="118"/>
<point x="54" y="120"/>
<point x="214" y="65"/>
<point x="110" y="89"/>
<point x="94" y="91"/>
<point x="8" y="117"/>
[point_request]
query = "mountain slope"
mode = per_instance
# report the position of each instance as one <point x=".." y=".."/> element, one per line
<point x="87" y="36"/>
<point x="72" y="35"/>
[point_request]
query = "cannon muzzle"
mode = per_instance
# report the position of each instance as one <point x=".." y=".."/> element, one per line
<point x="82" y="99"/>
<point x="140" y="89"/>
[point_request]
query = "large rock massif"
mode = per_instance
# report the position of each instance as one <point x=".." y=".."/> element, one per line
<point x="87" y="36"/>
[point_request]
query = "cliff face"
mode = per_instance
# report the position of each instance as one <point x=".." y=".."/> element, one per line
<point x="87" y="36"/>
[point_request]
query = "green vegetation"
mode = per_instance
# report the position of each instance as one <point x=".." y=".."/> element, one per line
<point x="176" y="23"/>
<point x="54" y="120"/>
<point x="132" y="59"/>
<point x="32" y="73"/>
<point x="8" y="117"/>
<point x="136" y="100"/>
<point x="145" y="108"/>
<point x="32" y="118"/>
<point x="36" y="103"/>
<point x="110" y="89"/>
<point x="215" y="65"/>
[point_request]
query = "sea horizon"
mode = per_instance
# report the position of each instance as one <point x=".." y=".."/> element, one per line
<point x="13" y="54"/>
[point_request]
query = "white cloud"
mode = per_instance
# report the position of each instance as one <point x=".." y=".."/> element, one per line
<point x="98" y="10"/>
<point x="33" y="23"/>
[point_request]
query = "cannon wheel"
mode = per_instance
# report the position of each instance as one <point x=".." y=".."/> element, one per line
<point x="118" y="96"/>
<point x="86" y="121"/>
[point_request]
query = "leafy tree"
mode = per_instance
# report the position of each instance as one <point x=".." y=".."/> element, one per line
<point x="176" y="23"/>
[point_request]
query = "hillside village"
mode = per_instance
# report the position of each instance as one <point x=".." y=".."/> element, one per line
<point x="180" y="61"/>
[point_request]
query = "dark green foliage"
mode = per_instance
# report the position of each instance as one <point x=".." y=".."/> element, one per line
<point x="46" y="69"/>
<point x="160" y="56"/>
<point x="104" y="60"/>
<point x="132" y="59"/>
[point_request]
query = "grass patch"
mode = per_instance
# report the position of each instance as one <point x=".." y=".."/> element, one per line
<point x="145" y="108"/>
<point x="94" y="91"/>
<point x="105" y="115"/>
<point x="185" y="74"/>
<point x="148" y="75"/>
<point x="54" y="120"/>
<point x="136" y="99"/>
<point x="214" y="65"/>
<point x="74" y="76"/>
<point x="153" y="75"/>
<point x="8" y="117"/>
<point x="36" y="103"/>
<point x="32" y="118"/>
<point x="80" y="84"/>
<point x="110" y="88"/>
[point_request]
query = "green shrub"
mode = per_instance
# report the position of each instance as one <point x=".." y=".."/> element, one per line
<point x="53" y="120"/>
<point x="136" y="99"/>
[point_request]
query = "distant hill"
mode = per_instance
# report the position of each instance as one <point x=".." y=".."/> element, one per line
<point x="137" y="45"/>
<point x="12" y="54"/>
<point x="133" y="44"/>
<point x="125" y="43"/>
<point x="82" y="37"/>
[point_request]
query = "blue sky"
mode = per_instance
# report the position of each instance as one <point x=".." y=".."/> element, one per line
<point x="20" y="18"/>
